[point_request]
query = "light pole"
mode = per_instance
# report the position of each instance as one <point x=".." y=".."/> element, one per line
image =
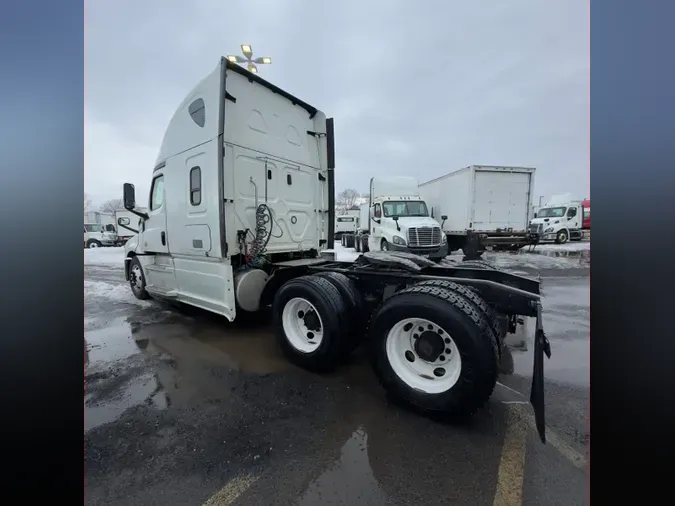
<point x="248" y="59"/>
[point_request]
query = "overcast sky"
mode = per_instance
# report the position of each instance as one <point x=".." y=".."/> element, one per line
<point x="416" y="88"/>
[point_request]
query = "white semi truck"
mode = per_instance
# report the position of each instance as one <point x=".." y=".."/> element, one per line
<point x="242" y="201"/>
<point x="483" y="206"/>
<point x="560" y="220"/>
<point x="346" y="223"/>
<point x="398" y="220"/>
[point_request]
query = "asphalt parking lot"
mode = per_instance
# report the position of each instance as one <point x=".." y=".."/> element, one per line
<point x="184" y="408"/>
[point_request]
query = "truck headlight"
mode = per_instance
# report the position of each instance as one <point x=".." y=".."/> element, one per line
<point x="549" y="229"/>
<point x="398" y="240"/>
<point x="444" y="238"/>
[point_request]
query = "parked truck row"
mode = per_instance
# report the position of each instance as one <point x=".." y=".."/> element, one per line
<point x="472" y="209"/>
<point x="242" y="201"/>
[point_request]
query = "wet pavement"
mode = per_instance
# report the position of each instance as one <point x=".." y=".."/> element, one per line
<point x="182" y="407"/>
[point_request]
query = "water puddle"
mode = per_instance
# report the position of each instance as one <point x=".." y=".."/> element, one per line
<point x="350" y="480"/>
<point x="111" y="343"/>
<point x="136" y="391"/>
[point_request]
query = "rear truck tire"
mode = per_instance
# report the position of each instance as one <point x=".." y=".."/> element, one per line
<point x="342" y="240"/>
<point x="351" y="241"/>
<point x="477" y="264"/>
<point x="137" y="280"/>
<point x="562" y="237"/>
<point x="356" y="309"/>
<point x="357" y="244"/>
<point x="474" y="297"/>
<point x="312" y="321"/>
<point x="364" y="244"/>
<point x="450" y="366"/>
<point x="93" y="243"/>
<point x="384" y="245"/>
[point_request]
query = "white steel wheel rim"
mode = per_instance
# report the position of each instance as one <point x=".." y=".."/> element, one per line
<point x="302" y="338"/>
<point x="93" y="245"/>
<point x="420" y="374"/>
<point x="137" y="278"/>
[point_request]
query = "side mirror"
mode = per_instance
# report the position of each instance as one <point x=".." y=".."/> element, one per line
<point x="535" y="215"/>
<point x="395" y="218"/>
<point x="129" y="196"/>
<point x="444" y="217"/>
<point x="123" y="221"/>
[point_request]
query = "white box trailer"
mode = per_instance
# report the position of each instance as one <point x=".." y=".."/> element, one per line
<point x="483" y="205"/>
<point x="127" y="224"/>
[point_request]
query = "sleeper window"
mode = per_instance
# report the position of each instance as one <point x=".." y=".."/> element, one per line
<point x="195" y="186"/>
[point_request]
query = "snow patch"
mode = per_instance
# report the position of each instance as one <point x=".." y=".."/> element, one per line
<point x="568" y="247"/>
<point x="118" y="293"/>
<point x="113" y="257"/>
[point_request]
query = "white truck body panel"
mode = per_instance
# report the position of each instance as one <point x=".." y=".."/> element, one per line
<point x="134" y="221"/>
<point x="482" y="198"/>
<point x="235" y="142"/>
<point x="346" y="224"/>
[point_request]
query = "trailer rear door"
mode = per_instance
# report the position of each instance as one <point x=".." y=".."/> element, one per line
<point x="501" y="200"/>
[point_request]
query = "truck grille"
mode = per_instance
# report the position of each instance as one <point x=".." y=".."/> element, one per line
<point x="424" y="236"/>
<point x="536" y="229"/>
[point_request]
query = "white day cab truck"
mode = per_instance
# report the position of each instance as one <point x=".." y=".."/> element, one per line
<point x="483" y="207"/>
<point x="95" y="236"/>
<point x="398" y="220"/>
<point x="560" y="220"/>
<point x="241" y="205"/>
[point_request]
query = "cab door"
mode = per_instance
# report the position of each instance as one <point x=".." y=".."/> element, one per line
<point x="155" y="239"/>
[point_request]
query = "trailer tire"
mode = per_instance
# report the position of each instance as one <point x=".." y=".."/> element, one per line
<point x="364" y="246"/>
<point x="137" y="280"/>
<point x="357" y="244"/>
<point x="473" y="296"/>
<point x="356" y="308"/>
<point x="471" y="377"/>
<point x="318" y="343"/>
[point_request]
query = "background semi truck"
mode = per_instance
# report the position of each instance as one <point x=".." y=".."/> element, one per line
<point x="559" y="220"/>
<point x="398" y="220"/>
<point x="485" y="206"/>
<point x="346" y="223"/>
<point x="235" y="232"/>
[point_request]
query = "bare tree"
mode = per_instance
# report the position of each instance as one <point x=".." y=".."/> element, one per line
<point x="112" y="205"/>
<point x="346" y="200"/>
<point x="87" y="203"/>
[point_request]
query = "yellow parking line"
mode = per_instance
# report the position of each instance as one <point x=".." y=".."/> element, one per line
<point x="231" y="491"/>
<point x="552" y="438"/>
<point x="512" y="463"/>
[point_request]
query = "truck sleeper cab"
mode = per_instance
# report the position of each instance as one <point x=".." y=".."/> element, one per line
<point x="242" y="204"/>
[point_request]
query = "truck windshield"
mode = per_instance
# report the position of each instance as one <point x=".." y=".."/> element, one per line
<point x="405" y="208"/>
<point x="551" y="212"/>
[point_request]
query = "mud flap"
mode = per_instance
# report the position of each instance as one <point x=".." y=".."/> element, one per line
<point x="541" y="346"/>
